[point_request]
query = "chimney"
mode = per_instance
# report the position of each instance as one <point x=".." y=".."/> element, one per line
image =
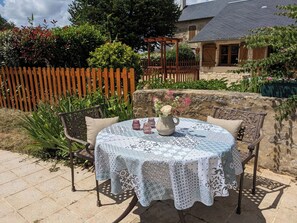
<point x="183" y="4"/>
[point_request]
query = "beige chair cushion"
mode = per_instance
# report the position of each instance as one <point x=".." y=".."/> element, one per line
<point x="95" y="125"/>
<point x="232" y="126"/>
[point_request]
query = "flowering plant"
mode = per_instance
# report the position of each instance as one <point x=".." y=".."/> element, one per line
<point x="171" y="105"/>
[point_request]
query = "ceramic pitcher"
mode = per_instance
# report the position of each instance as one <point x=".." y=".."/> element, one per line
<point x="166" y="125"/>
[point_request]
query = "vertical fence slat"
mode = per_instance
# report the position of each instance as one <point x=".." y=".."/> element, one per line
<point x="23" y="99"/>
<point x="125" y="83"/>
<point x="68" y="80"/>
<point x="106" y="85"/>
<point x="78" y="81"/>
<point x="10" y="98"/>
<point x="33" y="97"/>
<point x="111" y="78"/>
<point x="72" y="74"/>
<point x="36" y="84"/>
<point x="118" y="80"/>
<point x="132" y="81"/>
<point x="88" y="75"/>
<point x="13" y="89"/>
<point x="50" y="85"/>
<point x="45" y="92"/>
<point x="28" y="96"/>
<point x="54" y="85"/>
<point x="62" y="74"/>
<point x="7" y="89"/>
<point x="83" y="80"/>
<point x="42" y="96"/>
<point x="3" y="91"/>
<point x="94" y="80"/>
<point x="18" y="88"/>
<point x="58" y="74"/>
<point x="99" y="73"/>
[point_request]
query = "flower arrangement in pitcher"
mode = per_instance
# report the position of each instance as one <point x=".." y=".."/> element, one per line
<point x="171" y="105"/>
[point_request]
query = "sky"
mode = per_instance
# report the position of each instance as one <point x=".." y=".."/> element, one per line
<point x="18" y="11"/>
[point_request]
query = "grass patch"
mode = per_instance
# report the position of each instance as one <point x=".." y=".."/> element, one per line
<point x="12" y="136"/>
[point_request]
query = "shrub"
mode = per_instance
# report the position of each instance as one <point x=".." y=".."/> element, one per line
<point x="115" y="55"/>
<point x="8" y="54"/>
<point x="199" y="84"/>
<point x="74" y="44"/>
<point x="184" y="53"/>
<point x="34" y="45"/>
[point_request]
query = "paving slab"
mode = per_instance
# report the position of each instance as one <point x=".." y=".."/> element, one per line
<point x="31" y="192"/>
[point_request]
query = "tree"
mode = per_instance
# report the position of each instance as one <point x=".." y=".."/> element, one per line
<point x="4" y="24"/>
<point x="129" y="21"/>
<point x="282" y="41"/>
<point x="74" y="44"/>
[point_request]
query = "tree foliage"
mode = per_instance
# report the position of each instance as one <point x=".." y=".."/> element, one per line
<point x="4" y="24"/>
<point x="129" y="21"/>
<point x="115" y="55"/>
<point x="74" y="44"/>
<point x="282" y="41"/>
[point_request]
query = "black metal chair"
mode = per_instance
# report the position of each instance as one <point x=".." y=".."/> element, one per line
<point x="75" y="130"/>
<point x="249" y="135"/>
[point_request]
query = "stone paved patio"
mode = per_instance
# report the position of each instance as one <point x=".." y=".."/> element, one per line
<point x="30" y="192"/>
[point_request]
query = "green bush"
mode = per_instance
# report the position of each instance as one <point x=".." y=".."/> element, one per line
<point x="200" y="84"/>
<point x="184" y="53"/>
<point x="45" y="128"/>
<point x="252" y="84"/>
<point x="8" y="54"/>
<point x="74" y="44"/>
<point x="115" y="55"/>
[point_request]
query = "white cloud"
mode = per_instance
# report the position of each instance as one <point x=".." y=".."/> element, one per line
<point x="17" y="11"/>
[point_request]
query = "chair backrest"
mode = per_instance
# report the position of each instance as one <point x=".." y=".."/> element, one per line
<point x="251" y="125"/>
<point x="74" y="122"/>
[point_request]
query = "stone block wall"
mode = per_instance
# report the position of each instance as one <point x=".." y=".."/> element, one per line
<point x="278" y="151"/>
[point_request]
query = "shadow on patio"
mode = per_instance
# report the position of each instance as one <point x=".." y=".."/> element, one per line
<point x="268" y="195"/>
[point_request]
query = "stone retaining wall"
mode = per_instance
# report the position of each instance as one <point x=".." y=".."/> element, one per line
<point x="278" y="150"/>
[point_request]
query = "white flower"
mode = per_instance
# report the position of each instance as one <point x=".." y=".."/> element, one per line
<point x="166" y="110"/>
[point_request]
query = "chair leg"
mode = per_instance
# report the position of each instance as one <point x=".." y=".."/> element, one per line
<point x="255" y="175"/>
<point x="238" y="210"/>
<point x="72" y="171"/>
<point x="97" y="191"/>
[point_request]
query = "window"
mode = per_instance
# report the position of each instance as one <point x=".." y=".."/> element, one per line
<point x="192" y="32"/>
<point x="229" y="55"/>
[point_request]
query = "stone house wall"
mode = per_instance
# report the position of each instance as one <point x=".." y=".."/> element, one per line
<point x="182" y="30"/>
<point x="278" y="151"/>
<point x="218" y="72"/>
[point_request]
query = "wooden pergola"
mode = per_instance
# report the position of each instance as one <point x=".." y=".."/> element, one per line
<point x="163" y="41"/>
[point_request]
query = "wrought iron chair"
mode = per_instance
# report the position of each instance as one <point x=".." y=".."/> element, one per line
<point x="75" y="130"/>
<point x="249" y="135"/>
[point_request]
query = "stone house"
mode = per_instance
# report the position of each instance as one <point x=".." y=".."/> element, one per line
<point x="219" y="39"/>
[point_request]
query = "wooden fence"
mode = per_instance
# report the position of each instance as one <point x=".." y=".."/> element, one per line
<point x="24" y="88"/>
<point x="185" y="71"/>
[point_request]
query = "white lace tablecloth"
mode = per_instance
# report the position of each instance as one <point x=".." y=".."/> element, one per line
<point x="198" y="162"/>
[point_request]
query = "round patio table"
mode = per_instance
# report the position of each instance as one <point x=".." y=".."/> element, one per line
<point x="197" y="163"/>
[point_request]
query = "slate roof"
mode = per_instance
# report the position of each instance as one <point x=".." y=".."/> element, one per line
<point x="203" y="10"/>
<point x="237" y="19"/>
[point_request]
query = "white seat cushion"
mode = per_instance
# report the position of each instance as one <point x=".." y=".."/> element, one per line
<point x="232" y="126"/>
<point x="95" y="125"/>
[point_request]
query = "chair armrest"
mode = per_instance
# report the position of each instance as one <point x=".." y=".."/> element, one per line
<point x="76" y="140"/>
<point x="252" y="145"/>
